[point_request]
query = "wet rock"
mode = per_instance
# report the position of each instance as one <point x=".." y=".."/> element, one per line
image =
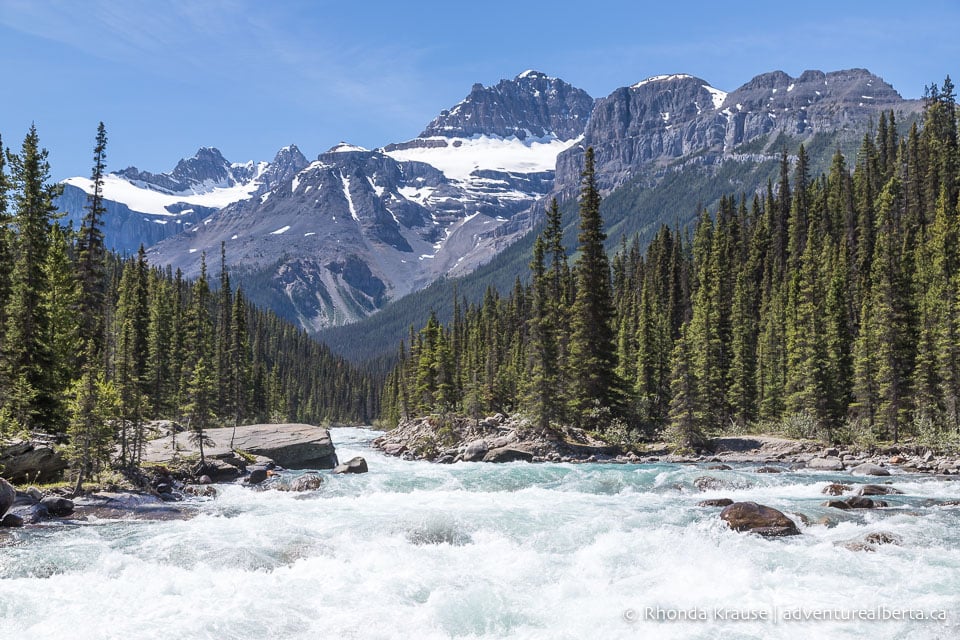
<point x="719" y="467"/>
<point x="139" y="506"/>
<point x="871" y="541"/>
<point x="830" y="463"/>
<point x="475" y="451"/>
<point x="760" y="519"/>
<point x="869" y="469"/>
<point x="857" y="502"/>
<point x="204" y="479"/>
<point x="353" y="465"/>
<point x="836" y="504"/>
<point x="508" y="454"/>
<point x="200" y="491"/>
<point x="709" y="483"/>
<point x="715" y="502"/>
<point x="11" y="520"/>
<point x="306" y="482"/>
<point x="163" y="487"/>
<point x="836" y="489"/>
<point x="877" y="490"/>
<point x="769" y="470"/>
<point x="31" y="514"/>
<point x="58" y="506"/>
<point x="8" y="496"/>
<point x="394" y="448"/>
<point x="257" y="475"/>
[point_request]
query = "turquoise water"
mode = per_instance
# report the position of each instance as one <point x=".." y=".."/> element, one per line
<point x="414" y="550"/>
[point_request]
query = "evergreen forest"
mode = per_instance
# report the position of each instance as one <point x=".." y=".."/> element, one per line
<point x="823" y="306"/>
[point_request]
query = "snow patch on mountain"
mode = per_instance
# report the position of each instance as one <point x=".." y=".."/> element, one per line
<point x="459" y="158"/>
<point x="147" y="200"/>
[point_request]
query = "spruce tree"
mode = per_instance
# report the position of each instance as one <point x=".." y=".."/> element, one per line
<point x="592" y="363"/>
<point x="91" y="253"/>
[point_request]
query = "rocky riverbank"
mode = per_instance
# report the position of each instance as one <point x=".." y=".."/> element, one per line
<point x="505" y="439"/>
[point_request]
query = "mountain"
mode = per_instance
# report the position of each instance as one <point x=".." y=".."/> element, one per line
<point x="144" y="208"/>
<point x="666" y="147"/>
<point x="655" y="122"/>
<point x="349" y="235"/>
<point x="358" y="228"/>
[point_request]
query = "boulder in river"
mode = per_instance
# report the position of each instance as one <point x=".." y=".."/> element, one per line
<point x="877" y="490"/>
<point x="11" y="520"/>
<point x="508" y="454"/>
<point x="8" y="496"/>
<point x="715" y="502"/>
<point x="836" y="489"/>
<point x="257" y="475"/>
<point x="353" y="465"/>
<point x="294" y="446"/>
<point x="475" y="451"/>
<point x="871" y="541"/>
<point x="756" y="518"/>
<point x="857" y="502"/>
<point x="769" y="469"/>
<point x="869" y="469"/>
<point x="306" y="482"/>
<point x="828" y="463"/>
<point x="58" y="506"/>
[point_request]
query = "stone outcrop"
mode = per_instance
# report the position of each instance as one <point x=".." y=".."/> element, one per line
<point x="353" y="465"/>
<point x="294" y="446"/>
<point x="30" y="461"/>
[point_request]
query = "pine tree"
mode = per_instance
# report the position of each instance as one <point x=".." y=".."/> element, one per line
<point x="201" y="395"/>
<point x="685" y="429"/>
<point x="541" y="387"/>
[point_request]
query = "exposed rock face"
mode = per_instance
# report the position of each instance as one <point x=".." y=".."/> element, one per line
<point x="30" y="461"/>
<point x="532" y="104"/>
<point x="666" y="118"/>
<point x="760" y="519"/>
<point x="294" y="446"/>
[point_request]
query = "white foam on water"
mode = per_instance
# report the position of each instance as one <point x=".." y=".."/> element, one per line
<point x="485" y="551"/>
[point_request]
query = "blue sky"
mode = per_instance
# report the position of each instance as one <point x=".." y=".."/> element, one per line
<point x="249" y="76"/>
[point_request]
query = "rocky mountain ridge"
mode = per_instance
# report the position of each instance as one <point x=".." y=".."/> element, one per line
<point x="332" y="241"/>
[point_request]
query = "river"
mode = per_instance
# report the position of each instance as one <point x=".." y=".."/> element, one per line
<point x="473" y="550"/>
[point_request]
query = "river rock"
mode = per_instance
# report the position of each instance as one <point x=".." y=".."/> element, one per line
<point x="715" y="502"/>
<point x="58" y="506"/>
<point x="11" y="520"/>
<point x="475" y="451"/>
<point x="30" y="461"/>
<point x="353" y="465"/>
<point x="306" y="482"/>
<point x="857" y="502"/>
<point x="836" y="489"/>
<point x="871" y="541"/>
<point x="829" y="463"/>
<point x="719" y="467"/>
<point x="508" y="454"/>
<point x="877" y="490"/>
<point x="257" y="475"/>
<point x="836" y="504"/>
<point x="869" y="469"/>
<point x="709" y="483"/>
<point x="8" y="496"/>
<point x="760" y="519"/>
<point x="769" y="470"/>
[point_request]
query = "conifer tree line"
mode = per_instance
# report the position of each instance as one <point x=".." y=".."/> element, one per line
<point x="93" y="346"/>
<point x="827" y="305"/>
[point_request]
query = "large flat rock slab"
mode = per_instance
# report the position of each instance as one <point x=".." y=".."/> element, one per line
<point x="294" y="446"/>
